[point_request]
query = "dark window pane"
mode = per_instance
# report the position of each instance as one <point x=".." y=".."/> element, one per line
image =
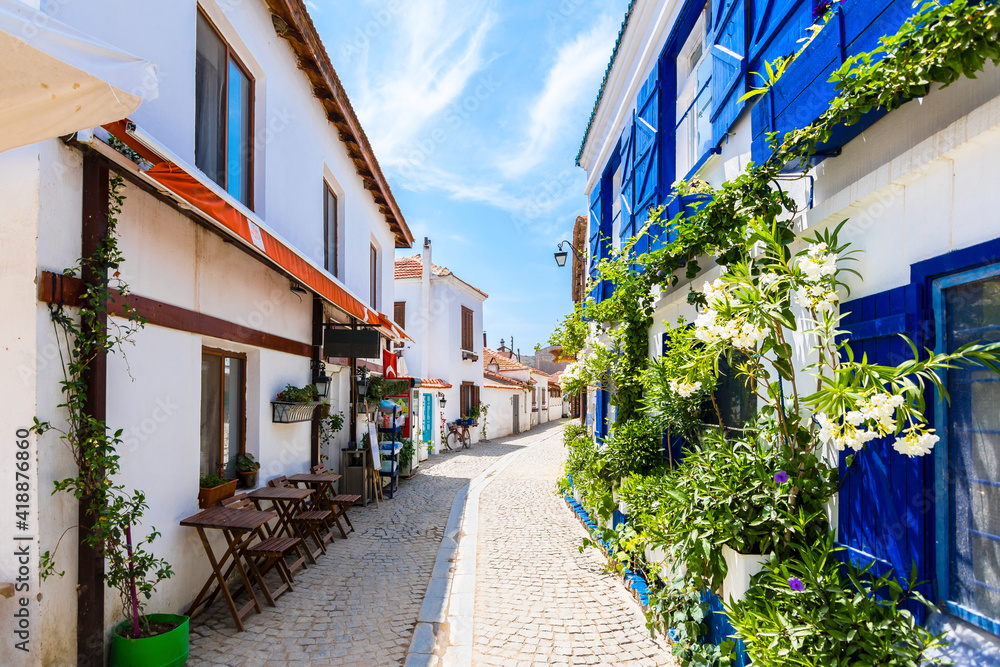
<point x="211" y="412"/>
<point x="210" y="102"/>
<point x="973" y="315"/>
<point x="239" y="130"/>
<point x="331" y="233"/>
<point x="232" y="415"/>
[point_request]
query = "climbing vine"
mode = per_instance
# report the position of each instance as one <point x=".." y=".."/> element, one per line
<point x="84" y="337"/>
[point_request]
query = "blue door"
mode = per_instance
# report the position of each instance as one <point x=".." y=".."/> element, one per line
<point x="967" y="310"/>
<point x="428" y="425"/>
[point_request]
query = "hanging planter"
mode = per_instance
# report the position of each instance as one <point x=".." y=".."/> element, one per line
<point x="283" y="412"/>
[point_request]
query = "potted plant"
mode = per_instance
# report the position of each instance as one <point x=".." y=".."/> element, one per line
<point x="294" y="404"/>
<point x="142" y="639"/>
<point x="473" y="414"/>
<point x="247" y="467"/>
<point x="406" y="458"/>
<point x="214" y="489"/>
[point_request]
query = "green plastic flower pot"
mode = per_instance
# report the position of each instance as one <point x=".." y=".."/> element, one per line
<point x="167" y="650"/>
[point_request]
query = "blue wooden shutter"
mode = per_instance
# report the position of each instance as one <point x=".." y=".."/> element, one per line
<point x="646" y="140"/>
<point x="626" y="148"/>
<point x="729" y="67"/>
<point x="883" y="500"/>
<point x="595" y="228"/>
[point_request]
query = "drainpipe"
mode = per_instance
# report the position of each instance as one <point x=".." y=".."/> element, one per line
<point x="425" y="311"/>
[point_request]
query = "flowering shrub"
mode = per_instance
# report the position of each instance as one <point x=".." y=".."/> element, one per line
<point x="815" y="611"/>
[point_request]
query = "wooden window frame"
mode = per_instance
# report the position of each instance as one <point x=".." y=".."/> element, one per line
<point x="373" y="276"/>
<point x="331" y="264"/>
<point x="468" y="335"/>
<point x="397" y="308"/>
<point x="218" y="352"/>
<point x="468" y="396"/>
<point x="232" y="55"/>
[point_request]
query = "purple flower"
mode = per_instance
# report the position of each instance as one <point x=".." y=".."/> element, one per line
<point x="796" y="584"/>
<point x="781" y="477"/>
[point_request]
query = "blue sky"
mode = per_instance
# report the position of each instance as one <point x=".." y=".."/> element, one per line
<point x="476" y="110"/>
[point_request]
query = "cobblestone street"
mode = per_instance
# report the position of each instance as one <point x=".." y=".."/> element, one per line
<point x="539" y="601"/>
<point x="359" y="605"/>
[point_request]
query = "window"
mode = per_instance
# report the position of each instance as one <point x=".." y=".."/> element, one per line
<point x="373" y="278"/>
<point x="468" y="339"/>
<point x="399" y="313"/>
<point x="736" y="401"/>
<point x="223" y="143"/>
<point x="694" y="97"/>
<point x="331" y="235"/>
<point x="223" y="414"/>
<point x="468" y="396"/>
<point x="967" y="460"/>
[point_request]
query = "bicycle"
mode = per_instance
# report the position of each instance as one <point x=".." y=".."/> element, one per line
<point x="458" y="432"/>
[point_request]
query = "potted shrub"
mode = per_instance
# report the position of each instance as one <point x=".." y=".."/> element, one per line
<point x="153" y="640"/>
<point x="247" y="467"/>
<point x="473" y="414"/>
<point x="406" y="458"/>
<point x="215" y="489"/>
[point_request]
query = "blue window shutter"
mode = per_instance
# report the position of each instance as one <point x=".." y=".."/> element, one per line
<point x="646" y="141"/>
<point x="595" y="228"/>
<point x="729" y="67"/>
<point x="883" y="514"/>
<point x="626" y="147"/>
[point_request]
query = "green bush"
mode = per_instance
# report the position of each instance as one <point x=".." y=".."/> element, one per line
<point x="634" y="446"/>
<point x="812" y="610"/>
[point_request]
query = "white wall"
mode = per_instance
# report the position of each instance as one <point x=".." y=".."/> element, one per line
<point x="295" y="145"/>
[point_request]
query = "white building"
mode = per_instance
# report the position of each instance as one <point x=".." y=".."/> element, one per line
<point x="444" y="316"/>
<point x="918" y="187"/>
<point x="255" y="215"/>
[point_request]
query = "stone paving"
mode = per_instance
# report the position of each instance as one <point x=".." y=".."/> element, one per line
<point x="538" y="600"/>
<point x="359" y="605"/>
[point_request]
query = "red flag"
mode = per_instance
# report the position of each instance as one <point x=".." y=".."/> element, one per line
<point x="389" y="364"/>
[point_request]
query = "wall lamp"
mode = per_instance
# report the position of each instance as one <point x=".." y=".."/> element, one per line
<point x="561" y="255"/>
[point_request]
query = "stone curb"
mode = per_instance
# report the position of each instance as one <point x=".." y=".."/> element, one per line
<point x="443" y="635"/>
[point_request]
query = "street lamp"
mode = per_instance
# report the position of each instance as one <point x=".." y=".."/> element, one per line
<point x="561" y="255"/>
<point x="441" y="399"/>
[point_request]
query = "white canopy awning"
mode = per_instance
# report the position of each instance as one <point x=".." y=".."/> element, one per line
<point x="55" y="80"/>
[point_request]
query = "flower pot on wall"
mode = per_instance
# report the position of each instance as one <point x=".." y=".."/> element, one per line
<point x="169" y="649"/>
<point x="740" y="568"/>
<point x="210" y="497"/>
<point x="249" y="479"/>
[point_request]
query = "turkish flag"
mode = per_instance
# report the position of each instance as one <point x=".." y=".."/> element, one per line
<point x="389" y="364"/>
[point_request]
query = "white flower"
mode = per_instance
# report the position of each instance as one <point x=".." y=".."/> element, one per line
<point x="818" y="263"/>
<point x="916" y="442"/>
<point x="768" y="279"/>
<point x="881" y="409"/>
<point x="748" y="337"/>
<point x="684" y="389"/>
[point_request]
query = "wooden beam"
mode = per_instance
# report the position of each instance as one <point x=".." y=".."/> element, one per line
<point x="57" y="288"/>
<point x="90" y="559"/>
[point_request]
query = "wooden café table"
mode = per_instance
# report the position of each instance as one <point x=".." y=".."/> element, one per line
<point x="239" y="526"/>
<point x="323" y="483"/>
<point x="286" y="502"/>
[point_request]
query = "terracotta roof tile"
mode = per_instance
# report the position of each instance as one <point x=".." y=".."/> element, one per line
<point x="413" y="267"/>
<point x="506" y="363"/>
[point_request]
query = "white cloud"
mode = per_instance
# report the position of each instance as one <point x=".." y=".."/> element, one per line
<point x="439" y="48"/>
<point x="571" y="82"/>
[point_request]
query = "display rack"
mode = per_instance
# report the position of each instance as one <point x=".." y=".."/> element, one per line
<point x="389" y="449"/>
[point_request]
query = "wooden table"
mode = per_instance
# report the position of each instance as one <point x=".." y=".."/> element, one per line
<point x="238" y="525"/>
<point x="323" y="484"/>
<point x="286" y="502"/>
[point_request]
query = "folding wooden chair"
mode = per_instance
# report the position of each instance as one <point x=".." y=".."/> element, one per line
<point x="269" y="552"/>
<point x="339" y="503"/>
<point x="309" y="522"/>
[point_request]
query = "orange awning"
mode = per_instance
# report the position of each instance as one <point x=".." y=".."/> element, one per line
<point x="195" y="192"/>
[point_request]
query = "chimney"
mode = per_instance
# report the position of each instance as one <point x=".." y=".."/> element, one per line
<point x="484" y="340"/>
<point x="425" y="310"/>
